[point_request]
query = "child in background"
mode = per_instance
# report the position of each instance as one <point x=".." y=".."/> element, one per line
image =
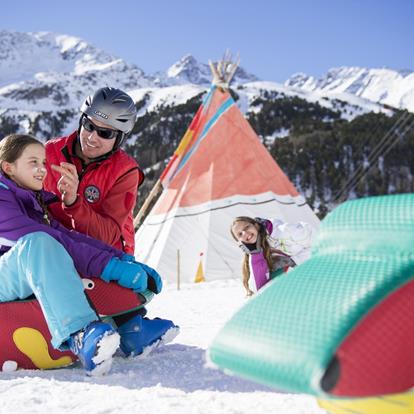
<point x="41" y="257"/>
<point x="271" y="247"/>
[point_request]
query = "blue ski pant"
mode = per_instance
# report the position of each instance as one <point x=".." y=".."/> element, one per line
<point x="38" y="264"/>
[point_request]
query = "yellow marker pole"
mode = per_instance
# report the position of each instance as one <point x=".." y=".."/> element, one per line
<point x="200" y="273"/>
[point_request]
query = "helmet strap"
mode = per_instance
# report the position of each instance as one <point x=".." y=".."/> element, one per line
<point x="119" y="140"/>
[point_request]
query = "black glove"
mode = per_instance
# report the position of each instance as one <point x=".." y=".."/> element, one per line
<point x="251" y="248"/>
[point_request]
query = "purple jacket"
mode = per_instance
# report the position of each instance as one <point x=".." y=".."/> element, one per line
<point x="290" y="245"/>
<point x="21" y="214"/>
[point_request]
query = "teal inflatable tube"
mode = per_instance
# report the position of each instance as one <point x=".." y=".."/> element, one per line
<point x="287" y="335"/>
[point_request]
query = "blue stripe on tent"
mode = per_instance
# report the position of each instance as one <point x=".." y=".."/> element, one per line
<point x="207" y="98"/>
<point x="220" y="111"/>
<point x="223" y="108"/>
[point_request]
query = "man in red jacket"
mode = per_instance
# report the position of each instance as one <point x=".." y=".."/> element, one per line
<point x="96" y="179"/>
<point x="97" y="183"/>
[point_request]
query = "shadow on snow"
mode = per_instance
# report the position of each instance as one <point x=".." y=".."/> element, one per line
<point x="172" y="366"/>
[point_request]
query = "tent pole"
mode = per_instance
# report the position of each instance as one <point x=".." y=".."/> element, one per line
<point x="155" y="190"/>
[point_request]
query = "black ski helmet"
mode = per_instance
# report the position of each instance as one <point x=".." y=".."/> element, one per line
<point x="113" y="107"/>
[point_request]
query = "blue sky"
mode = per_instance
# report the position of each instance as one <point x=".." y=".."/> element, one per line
<point x="275" y="38"/>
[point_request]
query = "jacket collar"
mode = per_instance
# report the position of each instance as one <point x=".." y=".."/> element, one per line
<point x="24" y="194"/>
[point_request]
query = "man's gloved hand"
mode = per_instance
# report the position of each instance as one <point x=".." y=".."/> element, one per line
<point x="128" y="274"/>
<point x="154" y="279"/>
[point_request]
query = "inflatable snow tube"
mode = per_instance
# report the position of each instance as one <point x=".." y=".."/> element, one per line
<point x="25" y="337"/>
<point x="340" y="324"/>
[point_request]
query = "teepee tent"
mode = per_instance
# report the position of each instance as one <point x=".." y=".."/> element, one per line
<point x="219" y="171"/>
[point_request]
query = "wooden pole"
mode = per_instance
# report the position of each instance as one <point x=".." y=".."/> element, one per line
<point x="155" y="190"/>
<point x="224" y="70"/>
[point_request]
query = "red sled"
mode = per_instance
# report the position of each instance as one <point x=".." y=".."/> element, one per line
<point x="25" y="337"/>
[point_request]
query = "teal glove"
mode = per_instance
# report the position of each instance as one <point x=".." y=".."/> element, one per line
<point x="154" y="281"/>
<point x="131" y="275"/>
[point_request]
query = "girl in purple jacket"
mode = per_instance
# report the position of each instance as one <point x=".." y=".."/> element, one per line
<point x="271" y="247"/>
<point x="41" y="257"/>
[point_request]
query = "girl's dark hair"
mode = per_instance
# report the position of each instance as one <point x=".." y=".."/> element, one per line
<point x="12" y="146"/>
<point x="263" y="244"/>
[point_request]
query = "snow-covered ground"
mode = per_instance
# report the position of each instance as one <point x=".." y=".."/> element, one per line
<point x="173" y="379"/>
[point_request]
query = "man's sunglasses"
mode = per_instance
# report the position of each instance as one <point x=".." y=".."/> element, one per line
<point x="105" y="133"/>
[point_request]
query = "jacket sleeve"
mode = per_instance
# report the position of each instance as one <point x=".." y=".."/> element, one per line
<point x="14" y="224"/>
<point x="82" y="238"/>
<point x="107" y="224"/>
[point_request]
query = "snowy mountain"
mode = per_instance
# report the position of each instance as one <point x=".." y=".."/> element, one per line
<point x="45" y="76"/>
<point x="348" y="105"/>
<point x="34" y="64"/>
<point x="386" y="86"/>
<point x="189" y="70"/>
<point x="46" y="58"/>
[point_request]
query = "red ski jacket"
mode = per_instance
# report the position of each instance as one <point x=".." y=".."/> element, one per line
<point x="107" y="194"/>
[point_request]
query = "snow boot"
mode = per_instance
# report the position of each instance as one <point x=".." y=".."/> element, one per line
<point x="94" y="346"/>
<point x="139" y="336"/>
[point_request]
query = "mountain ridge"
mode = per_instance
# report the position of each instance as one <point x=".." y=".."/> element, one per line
<point x="382" y="85"/>
<point x="44" y="72"/>
<point x="318" y="130"/>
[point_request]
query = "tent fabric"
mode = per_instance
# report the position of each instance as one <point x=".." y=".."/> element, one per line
<point x="220" y="170"/>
